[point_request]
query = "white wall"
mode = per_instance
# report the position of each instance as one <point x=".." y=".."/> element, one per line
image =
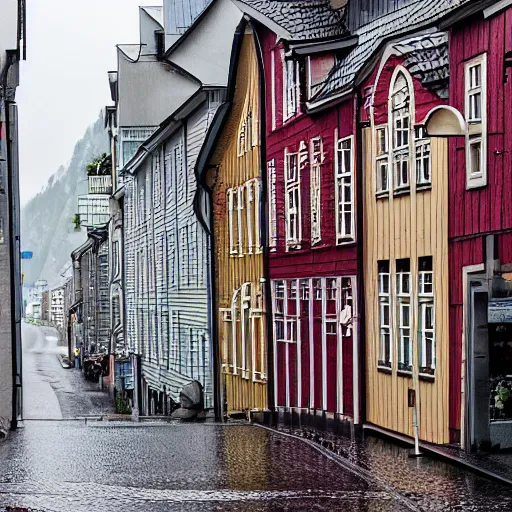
<point x="206" y="53"/>
<point x="149" y="91"/>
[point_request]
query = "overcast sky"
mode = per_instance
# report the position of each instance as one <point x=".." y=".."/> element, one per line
<point x="63" y="83"/>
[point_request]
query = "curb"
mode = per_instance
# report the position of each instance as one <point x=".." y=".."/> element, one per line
<point x="64" y="362"/>
<point x="438" y="453"/>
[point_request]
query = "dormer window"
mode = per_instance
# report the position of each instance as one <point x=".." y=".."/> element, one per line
<point x="318" y="68"/>
<point x="291" y="88"/>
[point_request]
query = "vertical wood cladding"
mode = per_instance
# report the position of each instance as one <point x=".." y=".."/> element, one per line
<point x="239" y="276"/>
<point x="477" y="212"/>
<point x="409" y="226"/>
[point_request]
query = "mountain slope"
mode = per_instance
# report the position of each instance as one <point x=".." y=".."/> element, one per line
<point x="47" y="226"/>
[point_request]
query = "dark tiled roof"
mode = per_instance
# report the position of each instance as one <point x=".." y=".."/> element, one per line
<point x="303" y="19"/>
<point x="427" y="59"/>
<point x="407" y="19"/>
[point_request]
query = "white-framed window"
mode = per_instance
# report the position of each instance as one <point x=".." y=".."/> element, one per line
<point x="258" y="237"/>
<point x="131" y="140"/>
<point x="385" y="348"/>
<point x="157" y="176"/>
<point x="426" y="317"/>
<point x="422" y="158"/>
<point x="240" y="209"/>
<point x="382" y="160"/>
<point x="475" y="79"/>
<point x="232" y="220"/>
<point x="248" y="136"/>
<point x="179" y="170"/>
<point x="401" y="129"/>
<point x="344" y="191"/>
<point x="316" y="160"/>
<point x="403" y="292"/>
<point x="291" y="88"/>
<point x="249" y="185"/>
<point x="292" y="201"/>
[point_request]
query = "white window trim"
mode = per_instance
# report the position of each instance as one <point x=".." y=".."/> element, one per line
<point x="385" y="300"/>
<point x="392" y="135"/>
<point x="272" y="195"/>
<point x="231" y="221"/>
<point x="250" y="206"/>
<point x="316" y="191"/>
<point x="273" y="87"/>
<point x="257" y="218"/>
<point x="343" y="236"/>
<point x="240" y="207"/>
<point x="287" y="116"/>
<point x="423" y="145"/>
<point x="426" y="299"/>
<point x="382" y="158"/>
<point x="477" y="131"/>
<point x="291" y="185"/>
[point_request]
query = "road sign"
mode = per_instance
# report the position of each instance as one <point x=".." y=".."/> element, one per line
<point x="27" y="255"/>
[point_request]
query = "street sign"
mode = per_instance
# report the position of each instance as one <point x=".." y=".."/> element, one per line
<point x="27" y="255"/>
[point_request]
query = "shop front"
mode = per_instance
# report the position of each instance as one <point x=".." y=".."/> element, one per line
<point x="489" y="362"/>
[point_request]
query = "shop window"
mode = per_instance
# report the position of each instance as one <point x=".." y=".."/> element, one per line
<point x="426" y="317"/>
<point x="475" y="77"/>
<point x="382" y="164"/>
<point x="316" y="159"/>
<point x="403" y="292"/>
<point x="423" y="158"/>
<point x="385" y="350"/>
<point x="345" y="218"/>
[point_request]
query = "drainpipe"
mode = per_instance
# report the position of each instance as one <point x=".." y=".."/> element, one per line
<point x="361" y="333"/>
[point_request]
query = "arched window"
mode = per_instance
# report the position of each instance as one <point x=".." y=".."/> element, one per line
<point x="400" y="118"/>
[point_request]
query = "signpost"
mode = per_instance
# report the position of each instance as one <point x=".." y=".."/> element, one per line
<point x="27" y="255"/>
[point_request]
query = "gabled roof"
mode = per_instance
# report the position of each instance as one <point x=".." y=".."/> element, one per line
<point x="297" y="20"/>
<point x="156" y="13"/>
<point x="412" y="17"/>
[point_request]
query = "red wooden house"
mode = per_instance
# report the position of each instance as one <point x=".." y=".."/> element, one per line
<point x="311" y="187"/>
<point x="480" y="223"/>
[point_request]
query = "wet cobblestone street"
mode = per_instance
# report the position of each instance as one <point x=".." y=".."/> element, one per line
<point x="63" y="464"/>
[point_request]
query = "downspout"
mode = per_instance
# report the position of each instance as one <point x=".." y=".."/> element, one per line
<point x="264" y="223"/>
<point x="360" y="180"/>
<point x="13" y="207"/>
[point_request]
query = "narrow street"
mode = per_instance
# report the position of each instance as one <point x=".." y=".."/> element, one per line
<point x="54" y="463"/>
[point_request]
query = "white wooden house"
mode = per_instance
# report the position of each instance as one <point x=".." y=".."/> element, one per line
<point x="166" y="251"/>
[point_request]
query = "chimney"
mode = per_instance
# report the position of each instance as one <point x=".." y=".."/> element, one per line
<point x="338" y="4"/>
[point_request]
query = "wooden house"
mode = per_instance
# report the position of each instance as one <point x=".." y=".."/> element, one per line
<point x="231" y="176"/>
<point x="311" y="214"/>
<point x="478" y="119"/>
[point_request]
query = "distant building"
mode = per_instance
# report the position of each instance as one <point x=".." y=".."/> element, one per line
<point x="12" y="50"/>
<point x="57" y="307"/>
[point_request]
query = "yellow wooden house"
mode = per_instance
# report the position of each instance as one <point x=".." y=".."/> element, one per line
<point x="405" y="256"/>
<point x="234" y="180"/>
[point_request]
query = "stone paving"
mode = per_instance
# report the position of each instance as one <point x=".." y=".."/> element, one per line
<point x="88" y="465"/>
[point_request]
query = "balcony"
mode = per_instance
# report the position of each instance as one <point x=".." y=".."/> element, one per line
<point x="100" y="185"/>
<point x="94" y="210"/>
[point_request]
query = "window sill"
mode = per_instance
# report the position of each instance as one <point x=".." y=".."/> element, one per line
<point x="385" y="369"/>
<point x="402" y="192"/>
<point x="424" y="377"/>
<point x="404" y="373"/>
<point x="382" y="195"/>
<point x="424" y="187"/>
<point x="346" y="242"/>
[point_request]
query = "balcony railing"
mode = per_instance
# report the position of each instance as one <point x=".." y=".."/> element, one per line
<point x="93" y="210"/>
<point x="100" y="184"/>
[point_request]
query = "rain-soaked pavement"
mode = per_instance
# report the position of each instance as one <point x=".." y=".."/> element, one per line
<point x="69" y="465"/>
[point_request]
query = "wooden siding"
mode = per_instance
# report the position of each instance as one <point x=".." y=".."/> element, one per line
<point x="479" y="212"/>
<point x="317" y="371"/>
<point x="241" y="391"/>
<point x="407" y="226"/>
<point x="167" y="258"/>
